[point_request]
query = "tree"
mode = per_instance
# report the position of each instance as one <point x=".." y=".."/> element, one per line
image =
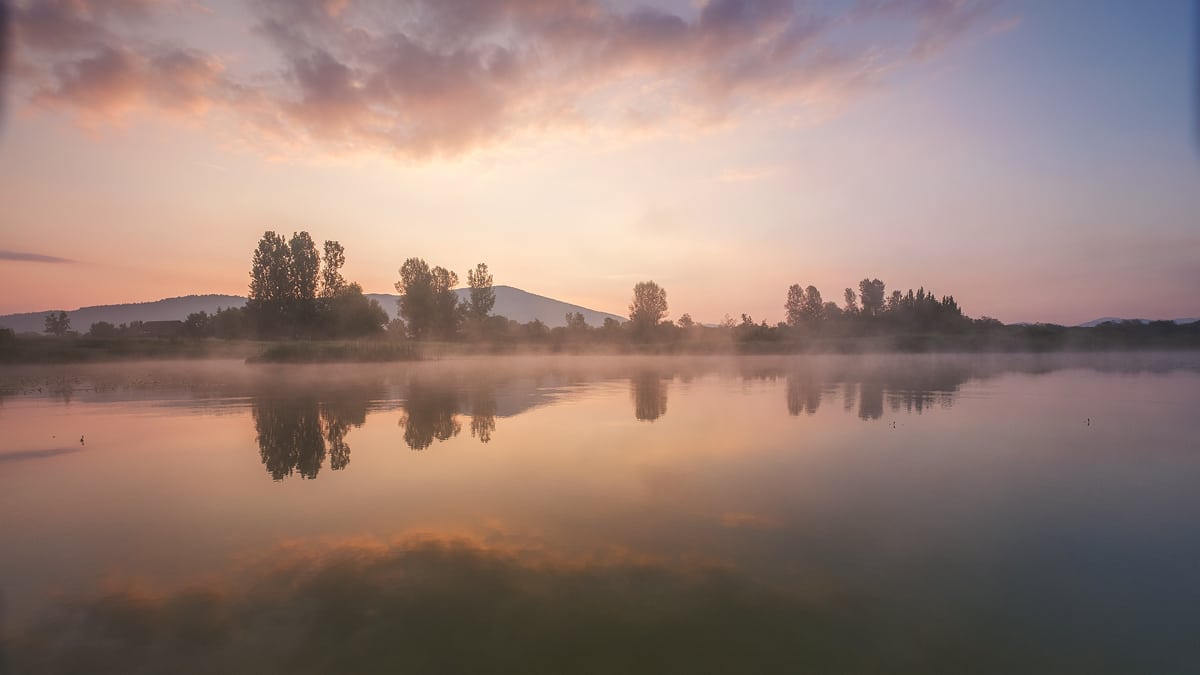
<point x="304" y="267"/>
<point x="649" y="306"/>
<point x="483" y="296"/>
<point x="794" y="305"/>
<point x="428" y="302"/>
<point x="804" y="305"/>
<point x="851" y="307"/>
<point x="685" y="321"/>
<point x="102" y="329"/>
<point x="813" y="307"/>
<point x="270" y="284"/>
<point x="269" y="270"/>
<point x="870" y="293"/>
<point x="416" y="297"/>
<point x="352" y="314"/>
<point x="576" y="322"/>
<point x="331" y="271"/>
<point x="303" y="272"/>
<point x="197" y="324"/>
<point x="58" y="323"/>
<point x="447" y="316"/>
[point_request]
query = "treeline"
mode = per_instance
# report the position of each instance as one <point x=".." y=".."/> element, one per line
<point x="297" y="292"/>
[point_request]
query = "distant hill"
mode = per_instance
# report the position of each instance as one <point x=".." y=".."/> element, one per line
<point x="1096" y="322"/>
<point x="516" y="304"/>
<point x="158" y="310"/>
<point x="513" y="303"/>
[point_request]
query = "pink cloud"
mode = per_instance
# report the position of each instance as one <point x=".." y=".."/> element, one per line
<point x="443" y="77"/>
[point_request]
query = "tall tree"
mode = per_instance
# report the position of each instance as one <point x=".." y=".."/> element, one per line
<point x="331" y="270"/>
<point x="851" y="307"/>
<point x="270" y="284"/>
<point x="305" y="266"/>
<point x="813" y="307"/>
<point x="304" y="272"/>
<point x="428" y="302"/>
<point x="649" y="306"/>
<point x="483" y="296"/>
<point x="270" y="274"/>
<point x="58" y="323"/>
<point x="870" y="292"/>
<point x="794" y="305"/>
<point x="416" y="297"/>
<point x="447" y="316"/>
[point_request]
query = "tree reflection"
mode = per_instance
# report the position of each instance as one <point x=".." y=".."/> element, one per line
<point x="870" y="400"/>
<point x="430" y="412"/>
<point x="296" y="431"/>
<point x="649" y="391"/>
<point x="483" y="411"/>
<point x="803" y="393"/>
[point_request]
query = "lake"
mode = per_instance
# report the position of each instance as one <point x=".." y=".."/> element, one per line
<point x="950" y="514"/>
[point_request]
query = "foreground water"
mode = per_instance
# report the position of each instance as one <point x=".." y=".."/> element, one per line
<point x="833" y="514"/>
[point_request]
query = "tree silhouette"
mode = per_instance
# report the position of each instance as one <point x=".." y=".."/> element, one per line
<point x="483" y="296"/>
<point x="428" y="302"/>
<point x="870" y="293"/>
<point x="649" y="306"/>
<point x="103" y="329"/>
<point x="794" y="307"/>
<point x="58" y="323"/>
<point x="331" y="275"/>
<point x="813" y="308"/>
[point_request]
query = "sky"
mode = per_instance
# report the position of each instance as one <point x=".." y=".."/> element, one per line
<point x="1040" y="161"/>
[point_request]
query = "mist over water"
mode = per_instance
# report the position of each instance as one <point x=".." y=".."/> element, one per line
<point x="528" y="514"/>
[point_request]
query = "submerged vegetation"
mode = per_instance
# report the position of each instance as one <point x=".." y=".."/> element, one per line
<point x="305" y="311"/>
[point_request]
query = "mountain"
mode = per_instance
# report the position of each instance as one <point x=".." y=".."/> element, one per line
<point x="1096" y="322"/>
<point x="513" y="303"/>
<point x="516" y="304"/>
<point x="158" y="310"/>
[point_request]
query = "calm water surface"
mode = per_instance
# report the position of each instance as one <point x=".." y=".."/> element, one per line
<point x="832" y="514"/>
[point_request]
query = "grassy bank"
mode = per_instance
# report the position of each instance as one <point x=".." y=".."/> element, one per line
<point x="335" y="352"/>
<point x="85" y="349"/>
<point x="1011" y="339"/>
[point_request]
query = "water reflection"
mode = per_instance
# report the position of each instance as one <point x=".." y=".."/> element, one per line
<point x="585" y="541"/>
<point x="482" y="396"/>
<point x="648" y="388"/>
<point x="451" y="604"/>
<point x="870" y="400"/>
<point x="430" y="412"/>
<point x="296" y="430"/>
<point x="803" y="393"/>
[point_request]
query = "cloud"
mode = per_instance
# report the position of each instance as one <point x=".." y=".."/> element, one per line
<point x="423" y="78"/>
<point x="21" y="256"/>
